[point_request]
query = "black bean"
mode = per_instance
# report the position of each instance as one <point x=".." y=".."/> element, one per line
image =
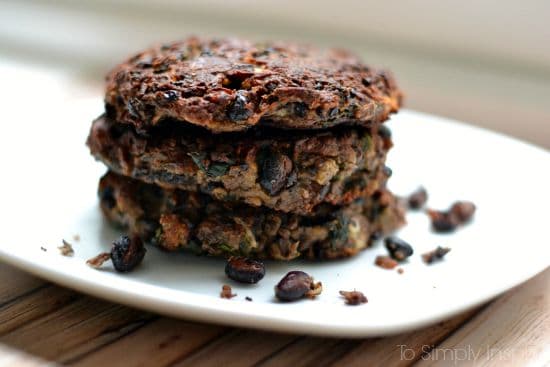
<point x="463" y="210"/>
<point x="443" y="221"/>
<point x="110" y="109"/>
<point x="245" y="270"/>
<point x="170" y="95"/>
<point x="144" y="64"/>
<point x="296" y="285"/>
<point x="127" y="253"/>
<point x="384" y="132"/>
<point x="367" y="81"/>
<point x="270" y="86"/>
<point x="237" y="111"/>
<point x="300" y="109"/>
<point x="274" y="170"/>
<point x="447" y="221"/>
<point x="418" y="198"/>
<point x="107" y="197"/>
<point x="443" y="224"/>
<point x="398" y="249"/>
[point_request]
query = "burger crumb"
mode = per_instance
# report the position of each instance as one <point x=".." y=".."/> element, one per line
<point x="442" y="221"/>
<point x="316" y="289"/>
<point x="66" y="249"/>
<point x="460" y="213"/>
<point x="400" y="270"/>
<point x="43" y="248"/>
<point x="417" y="199"/>
<point x="437" y="254"/>
<point x="385" y="262"/>
<point x="96" y="261"/>
<point x="227" y="292"/>
<point x="248" y="299"/>
<point x="76" y="237"/>
<point x="353" y="298"/>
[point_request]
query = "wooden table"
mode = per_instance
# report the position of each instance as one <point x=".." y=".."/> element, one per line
<point x="41" y="322"/>
<point x="504" y="88"/>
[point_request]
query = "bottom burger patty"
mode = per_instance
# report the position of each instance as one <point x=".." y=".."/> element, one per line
<point x="181" y="220"/>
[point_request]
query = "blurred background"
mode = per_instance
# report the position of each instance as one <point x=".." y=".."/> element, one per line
<point x="486" y="62"/>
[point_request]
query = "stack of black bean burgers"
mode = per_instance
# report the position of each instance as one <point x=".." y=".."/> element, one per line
<point x="266" y="150"/>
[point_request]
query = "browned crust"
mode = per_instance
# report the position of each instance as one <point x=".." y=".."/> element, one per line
<point x="233" y="84"/>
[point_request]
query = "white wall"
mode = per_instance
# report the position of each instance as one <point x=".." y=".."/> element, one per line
<point x="485" y="61"/>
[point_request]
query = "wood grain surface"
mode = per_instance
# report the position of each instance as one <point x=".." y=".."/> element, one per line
<point x="482" y="62"/>
<point x="41" y="323"/>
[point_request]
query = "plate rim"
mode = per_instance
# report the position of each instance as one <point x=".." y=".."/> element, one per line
<point x="196" y="309"/>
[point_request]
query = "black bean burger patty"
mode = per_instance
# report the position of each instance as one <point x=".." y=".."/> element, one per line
<point x="282" y="170"/>
<point x="233" y="84"/>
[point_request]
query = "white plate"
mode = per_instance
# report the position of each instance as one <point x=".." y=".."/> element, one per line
<point x="50" y="194"/>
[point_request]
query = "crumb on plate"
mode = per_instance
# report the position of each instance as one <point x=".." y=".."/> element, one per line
<point x="385" y="262"/>
<point x="66" y="249"/>
<point x="354" y="298"/>
<point x="96" y="261"/>
<point x="227" y="292"/>
<point x="437" y="254"/>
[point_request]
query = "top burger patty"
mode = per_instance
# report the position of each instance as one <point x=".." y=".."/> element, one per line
<point x="232" y="84"/>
